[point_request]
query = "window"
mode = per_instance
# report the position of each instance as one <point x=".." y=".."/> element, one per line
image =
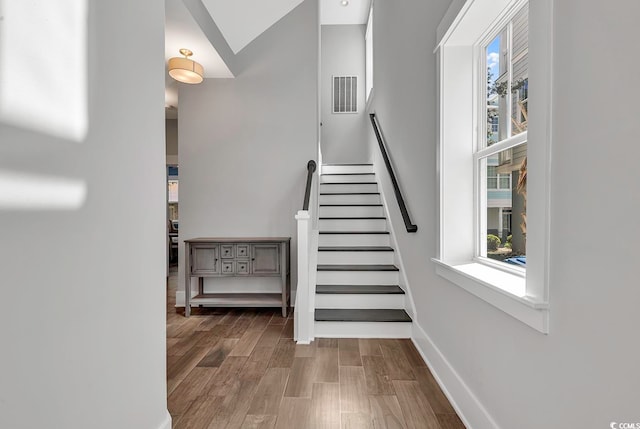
<point x="172" y="191"/>
<point x="502" y="154"/>
<point x="368" y="40"/>
<point x="494" y="227"/>
<point x="495" y="180"/>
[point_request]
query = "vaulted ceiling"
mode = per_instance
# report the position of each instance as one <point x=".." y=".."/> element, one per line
<point x="239" y="22"/>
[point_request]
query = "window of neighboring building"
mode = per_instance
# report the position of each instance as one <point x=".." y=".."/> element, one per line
<point x="494" y="227"/>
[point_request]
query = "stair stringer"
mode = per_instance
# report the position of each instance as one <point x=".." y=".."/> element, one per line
<point x="410" y="307"/>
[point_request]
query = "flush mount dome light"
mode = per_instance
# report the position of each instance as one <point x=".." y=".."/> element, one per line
<point x="184" y="69"/>
<point x="344" y="2"/>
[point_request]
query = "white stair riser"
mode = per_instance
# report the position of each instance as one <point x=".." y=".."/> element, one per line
<point x="350" y="199"/>
<point x="357" y="278"/>
<point x="394" y="301"/>
<point x="355" y="258"/>
<point x="355" y="187"/>
<point x="362" y="329"/>
<point x="345" y="182"/>
<point x="353" y="224"/>
<point x="351" y="211"/>
<point x="353" y="240"/>
<point x="341" y="178"/>
<point x="336" y="169"/>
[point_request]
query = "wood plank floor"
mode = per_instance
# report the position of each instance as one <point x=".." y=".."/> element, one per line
<point x="240" y="368"/>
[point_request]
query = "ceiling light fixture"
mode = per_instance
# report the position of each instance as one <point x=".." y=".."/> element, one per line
<point x="184" y="69"/>
<point x="344" y="3"/>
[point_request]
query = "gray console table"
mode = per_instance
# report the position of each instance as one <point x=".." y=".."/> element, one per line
<point x="246" y="257"/>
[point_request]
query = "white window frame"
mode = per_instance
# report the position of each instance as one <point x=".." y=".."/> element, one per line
<point x="461" y="124"/>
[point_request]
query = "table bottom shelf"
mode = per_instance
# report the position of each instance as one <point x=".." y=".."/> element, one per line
<point x="238" y="299"/>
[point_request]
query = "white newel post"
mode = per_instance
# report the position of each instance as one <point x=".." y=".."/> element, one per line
<point x="302" y="323"/>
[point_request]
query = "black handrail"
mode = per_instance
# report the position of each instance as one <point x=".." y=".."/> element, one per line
<point x="396" y="188"/>
<point x="311" y="168"/>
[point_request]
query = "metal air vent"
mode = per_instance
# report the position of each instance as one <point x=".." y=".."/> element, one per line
<point x="345" y="94"/>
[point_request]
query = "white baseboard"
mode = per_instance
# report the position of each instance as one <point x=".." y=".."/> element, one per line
<point x="179" y="298"/>
<point x="166" y="424"/>
<point x="469" y="408"/>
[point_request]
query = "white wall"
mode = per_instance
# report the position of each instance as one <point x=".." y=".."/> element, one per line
<point x="344" y="135"/>
<point x="83" y="291"/>
<point x="522" y="378"/>
<point x="245" y="142"/>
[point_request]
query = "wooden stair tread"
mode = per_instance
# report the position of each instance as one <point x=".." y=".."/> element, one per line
<point x="350" y="205"/>
<point x="354" y="232"/>
<point x="352" y="217"/>
<point x="359" y="289"/>
<point x="347" y="163"/>
<point x="347" y="174"/>
<point x="349" y="193"/>
<point x="361" y="315"/>
<point x="355" y="249"/>
<point x="350" y="267"/>
<point x="349" y="183"/>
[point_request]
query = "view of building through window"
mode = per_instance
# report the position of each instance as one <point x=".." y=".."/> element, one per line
<point x="504" y="195"/>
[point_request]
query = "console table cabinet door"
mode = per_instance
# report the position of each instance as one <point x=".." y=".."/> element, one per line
<point x="265" y="259"/>
<point x="205" y="260"/>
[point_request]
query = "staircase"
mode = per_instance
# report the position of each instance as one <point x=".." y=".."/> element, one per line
<point x="357" y="291"/>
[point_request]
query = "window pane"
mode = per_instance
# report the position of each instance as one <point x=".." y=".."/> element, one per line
<point x="519" y="112"/>
<point x="507" y="92"/>
<point x="506" y="206"/>
<point x="520" y="71"/>
<point x="369" y="55"/>
<point x="493" y="72"/>
<point x="173" y="191"/>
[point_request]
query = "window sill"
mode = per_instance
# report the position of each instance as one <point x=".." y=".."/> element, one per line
<point x="503" y="290"/>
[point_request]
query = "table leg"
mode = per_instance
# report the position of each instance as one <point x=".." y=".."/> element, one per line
<point x="283" y="276"/>
<point x="187" y="281"/>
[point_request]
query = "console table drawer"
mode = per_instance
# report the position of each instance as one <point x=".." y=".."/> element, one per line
<point x="242" y="267"/>
<point x="226" y="251"/>
<point x="228" y="267"/>
<point x="242" y="250"/>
